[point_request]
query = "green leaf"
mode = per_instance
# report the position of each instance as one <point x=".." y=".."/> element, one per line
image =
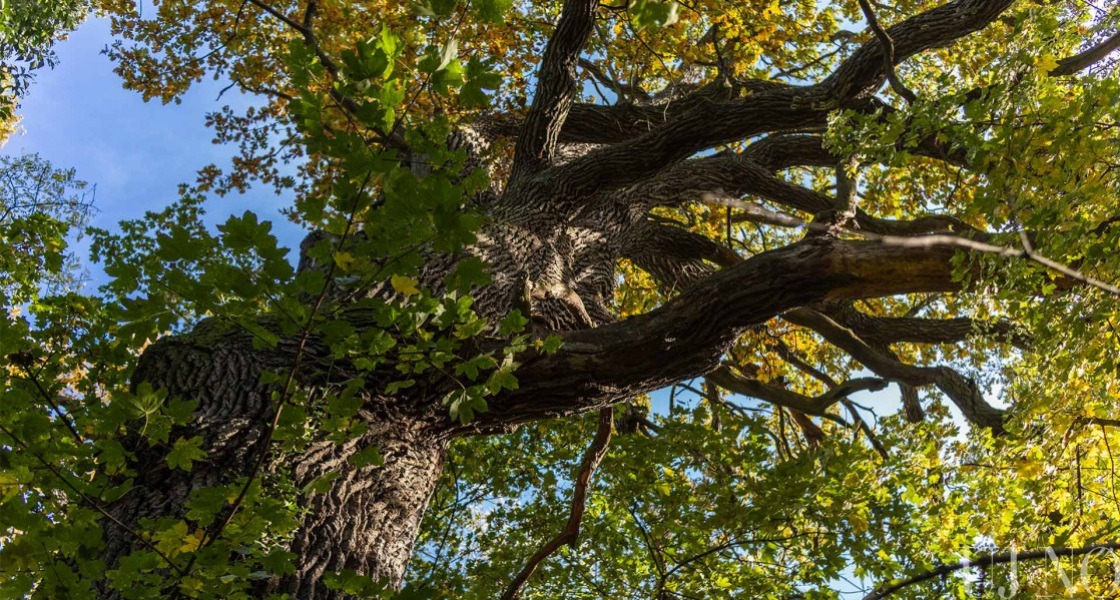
<point x="502" y="378"/>
<point x="553" y="343"/>
<point x="321" y="485"/>
<point x="184" y="452"/>
<point x="650" y="13"/>
<point x="397" y="386"/>
<point x="493" y="11"/>
<point x="469" y="273"/>
<point x="180" y="411"/>
<point x="206" y="503"/>
<point x="366" y="457"/>
<point x="513" y="323"/>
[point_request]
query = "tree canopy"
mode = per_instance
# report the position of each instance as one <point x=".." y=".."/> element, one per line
<point x="653" y="299"/>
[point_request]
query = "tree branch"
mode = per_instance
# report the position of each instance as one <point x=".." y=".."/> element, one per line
<point x="782" y="151"/>
<point x="711" y="124"/>
<point x="957" y="387"/>
<point x="888" y="52"/>
<point x="910" y="238"/>
<point x="570" y="534"/>
<point x="686" y="337"/>
<point x="817" y="406"/>
<point x="890" y="330"/>
<point x="1088" y="58"/>
<point x="674" y="256"/>
<point x="821" y="205"/>
<point x="982" y="247"/>
<point x="556" y="87"/>
<point x="601" y="124"/>
<point x="987" y="560"/>
<point x="620" y="89"/>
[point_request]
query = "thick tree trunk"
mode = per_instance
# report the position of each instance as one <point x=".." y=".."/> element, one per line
<point x="367" y="519"/>
<point x="370" y="517"/>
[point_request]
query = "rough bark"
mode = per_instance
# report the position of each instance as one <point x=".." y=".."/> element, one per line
<point x="369" y="518"/>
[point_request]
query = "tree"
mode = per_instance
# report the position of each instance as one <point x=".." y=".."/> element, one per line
<point x="28" y="31"/>
<point x="759" y="197"/>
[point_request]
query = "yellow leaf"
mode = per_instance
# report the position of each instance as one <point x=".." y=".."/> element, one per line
<point x="858" y="523"/>
<point x="344" y="260"/>
<point x="193" y="541"/>
<point x="168" y="540"/>
<point x="404" y="285"/>
<point x="1047" y="63"/>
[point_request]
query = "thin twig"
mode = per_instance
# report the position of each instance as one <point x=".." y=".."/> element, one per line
<point x="862" y="426"/>
<point x="62" y="415"/>
<point x="570" y="534"/>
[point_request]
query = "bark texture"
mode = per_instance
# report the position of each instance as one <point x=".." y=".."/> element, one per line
<point x="367" y="520"/>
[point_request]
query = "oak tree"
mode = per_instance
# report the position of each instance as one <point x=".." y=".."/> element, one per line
<point x="587" y="297"/>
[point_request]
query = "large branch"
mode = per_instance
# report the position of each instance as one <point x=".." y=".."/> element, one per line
<point x="711" y="124"/>
<point x="556" y="87"/>
<point x="889" y="330"/>
<point x="726" y="177"/>
<point x="686" y="337"/>
<point x="1087" y="58"/>
<point x="935" y="28"/>
<point x="674" y="256"/>
<point x="778" y="152"/>
<point x="961" y="390"/>
<point x="610" y="124"/>
<point x="731" y="174"/>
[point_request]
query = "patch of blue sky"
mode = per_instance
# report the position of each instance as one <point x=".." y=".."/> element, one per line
<point x="136" y="153"/>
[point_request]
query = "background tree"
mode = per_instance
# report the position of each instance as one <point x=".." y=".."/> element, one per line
<point x="28" y="31"/>
<point x="522" y="214"/>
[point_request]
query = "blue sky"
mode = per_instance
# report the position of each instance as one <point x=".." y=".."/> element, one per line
<point x="136" y="153"/>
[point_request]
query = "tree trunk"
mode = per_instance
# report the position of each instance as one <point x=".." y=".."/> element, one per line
<point x="368" y="517"/>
